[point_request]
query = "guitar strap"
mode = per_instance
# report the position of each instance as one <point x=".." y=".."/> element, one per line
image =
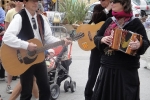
<point x="114" y="19"/>
<point x="40" y="28"/>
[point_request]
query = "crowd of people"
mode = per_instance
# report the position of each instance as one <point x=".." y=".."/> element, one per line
<point x="112" y="75"/>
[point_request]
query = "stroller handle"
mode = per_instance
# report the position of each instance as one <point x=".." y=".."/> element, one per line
<point x="64" y="49"/>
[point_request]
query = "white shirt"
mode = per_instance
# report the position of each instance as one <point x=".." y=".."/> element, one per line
<point x="10" y="37"/>
<point x="147" y="23"/>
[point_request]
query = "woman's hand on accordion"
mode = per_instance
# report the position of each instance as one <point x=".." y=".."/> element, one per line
<point x="107" y="40"/>
<point x="134" y="45"/>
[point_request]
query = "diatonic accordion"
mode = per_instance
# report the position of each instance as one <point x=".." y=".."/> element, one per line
<point x="121" y="40"/>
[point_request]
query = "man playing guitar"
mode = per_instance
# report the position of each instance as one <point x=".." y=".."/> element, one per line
<point x="22" y="28"/>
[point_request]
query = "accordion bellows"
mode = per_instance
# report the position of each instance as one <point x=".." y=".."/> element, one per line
<point x="121" y="40"/>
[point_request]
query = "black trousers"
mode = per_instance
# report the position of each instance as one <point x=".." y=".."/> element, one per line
<point x="92" y="73"/>
<point x="2" y="71"/>
<point x="40" y="72"/>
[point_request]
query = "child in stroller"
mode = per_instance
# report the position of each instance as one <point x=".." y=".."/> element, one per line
<point x="58" y="61"/>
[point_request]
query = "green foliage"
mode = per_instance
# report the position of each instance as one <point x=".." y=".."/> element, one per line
<point x="75" y="11"/>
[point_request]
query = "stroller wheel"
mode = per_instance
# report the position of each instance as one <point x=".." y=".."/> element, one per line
<point x="55" y="91"/>
<point x="66" y="86"/>
<point x="73" y="86"/>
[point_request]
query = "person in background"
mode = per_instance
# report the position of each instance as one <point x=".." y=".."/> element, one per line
<point x="40" y="7"/>
<point x="23" y="27"/>
<point x="100" y="13"/>
<point x="118" y="77"/>
<point x="0" y="98"/>
<point x="46" y="5"/>
<point x="2" y="18"/>
<point x="146" y="24"/>
<point x="41" y="11"/>
<point x="9" y="16"/>
<point x="10" y="5"/>
<point x="17" y="90"/>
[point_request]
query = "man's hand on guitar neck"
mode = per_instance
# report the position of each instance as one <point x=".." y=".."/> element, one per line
<point x="32" y="47"/>
<point x="67" y="41"/>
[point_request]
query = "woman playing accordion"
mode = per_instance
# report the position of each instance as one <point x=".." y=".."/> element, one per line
<point x="118" y="77"/>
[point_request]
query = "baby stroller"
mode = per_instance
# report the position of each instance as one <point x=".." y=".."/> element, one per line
<point x="60" y="73"/>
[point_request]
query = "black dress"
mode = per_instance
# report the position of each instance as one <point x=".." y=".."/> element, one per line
<point x="118" y="78"/>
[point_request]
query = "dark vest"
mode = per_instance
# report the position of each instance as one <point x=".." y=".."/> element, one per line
<point x="26" y="32"/>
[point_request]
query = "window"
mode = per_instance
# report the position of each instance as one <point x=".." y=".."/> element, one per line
<point x="148" y="2"/>
<point x="91" y="8"/>
<point x="137" y="2"/>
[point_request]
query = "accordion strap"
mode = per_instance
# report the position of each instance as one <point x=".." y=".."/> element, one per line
<point x="114" y="19"/>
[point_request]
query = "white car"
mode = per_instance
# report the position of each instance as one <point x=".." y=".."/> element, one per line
<point x="90" y="12"/>
<point x="136" y="12"/>
<point x="143" y="5"/>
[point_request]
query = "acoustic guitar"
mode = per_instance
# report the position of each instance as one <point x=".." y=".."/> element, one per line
<point x="16" y="61"/>
<point x="87" y="43"/>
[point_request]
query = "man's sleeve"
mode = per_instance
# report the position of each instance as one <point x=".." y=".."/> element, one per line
<point x="98" y="14"/>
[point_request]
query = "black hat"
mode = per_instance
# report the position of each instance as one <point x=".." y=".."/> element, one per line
<point x="18" y="0"/>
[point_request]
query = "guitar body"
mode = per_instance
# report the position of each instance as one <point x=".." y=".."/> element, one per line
<point x="17" y="61"/>
<point x="87" y="42"/>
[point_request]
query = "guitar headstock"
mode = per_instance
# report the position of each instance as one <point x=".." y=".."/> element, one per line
<point x="75" y="36"/>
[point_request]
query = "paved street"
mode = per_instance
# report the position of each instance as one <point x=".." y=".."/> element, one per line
<point x="78" y="72"/>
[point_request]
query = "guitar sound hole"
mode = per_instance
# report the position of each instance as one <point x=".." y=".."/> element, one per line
<point x="31" y="53"/>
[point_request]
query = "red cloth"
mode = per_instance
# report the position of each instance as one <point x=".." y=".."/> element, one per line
<point x="122" y="14"/>
<point x="117" y="15"/>
<point x="2" y="25"/>
<point x="57" y="50"/>
<point x="1" y="35"/>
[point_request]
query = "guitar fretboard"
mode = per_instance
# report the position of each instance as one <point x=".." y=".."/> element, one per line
<point x="48" y="46"/>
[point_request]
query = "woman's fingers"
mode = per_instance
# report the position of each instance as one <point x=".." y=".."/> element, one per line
<point x="107" y="40"/>
<point x="134" y="45"/>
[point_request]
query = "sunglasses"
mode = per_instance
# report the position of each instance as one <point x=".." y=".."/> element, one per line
<point x="101" y="0"/>
<point x="116" y="1"/>
<point x="34" y="23"/>
<point x="34" y="0"/>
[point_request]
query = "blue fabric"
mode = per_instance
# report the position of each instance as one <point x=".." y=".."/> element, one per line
<point x="147" y="23"/>
<point x="46" y="4"/>
<point x="2" y="15"/>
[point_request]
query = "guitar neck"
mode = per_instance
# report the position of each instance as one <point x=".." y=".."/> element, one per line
<point x="49" y="46"/>
<point x="62" y="42"/>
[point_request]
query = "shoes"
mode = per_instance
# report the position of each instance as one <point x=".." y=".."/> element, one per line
<point x="2" y="79"/>
<point x="14" y="77"/>
<point x="8" y="89"/>
<point x="147" y="67"/>
<point x="0" y="98"/>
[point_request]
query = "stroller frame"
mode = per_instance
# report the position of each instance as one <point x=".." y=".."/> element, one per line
<point x="56" y="80"/>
